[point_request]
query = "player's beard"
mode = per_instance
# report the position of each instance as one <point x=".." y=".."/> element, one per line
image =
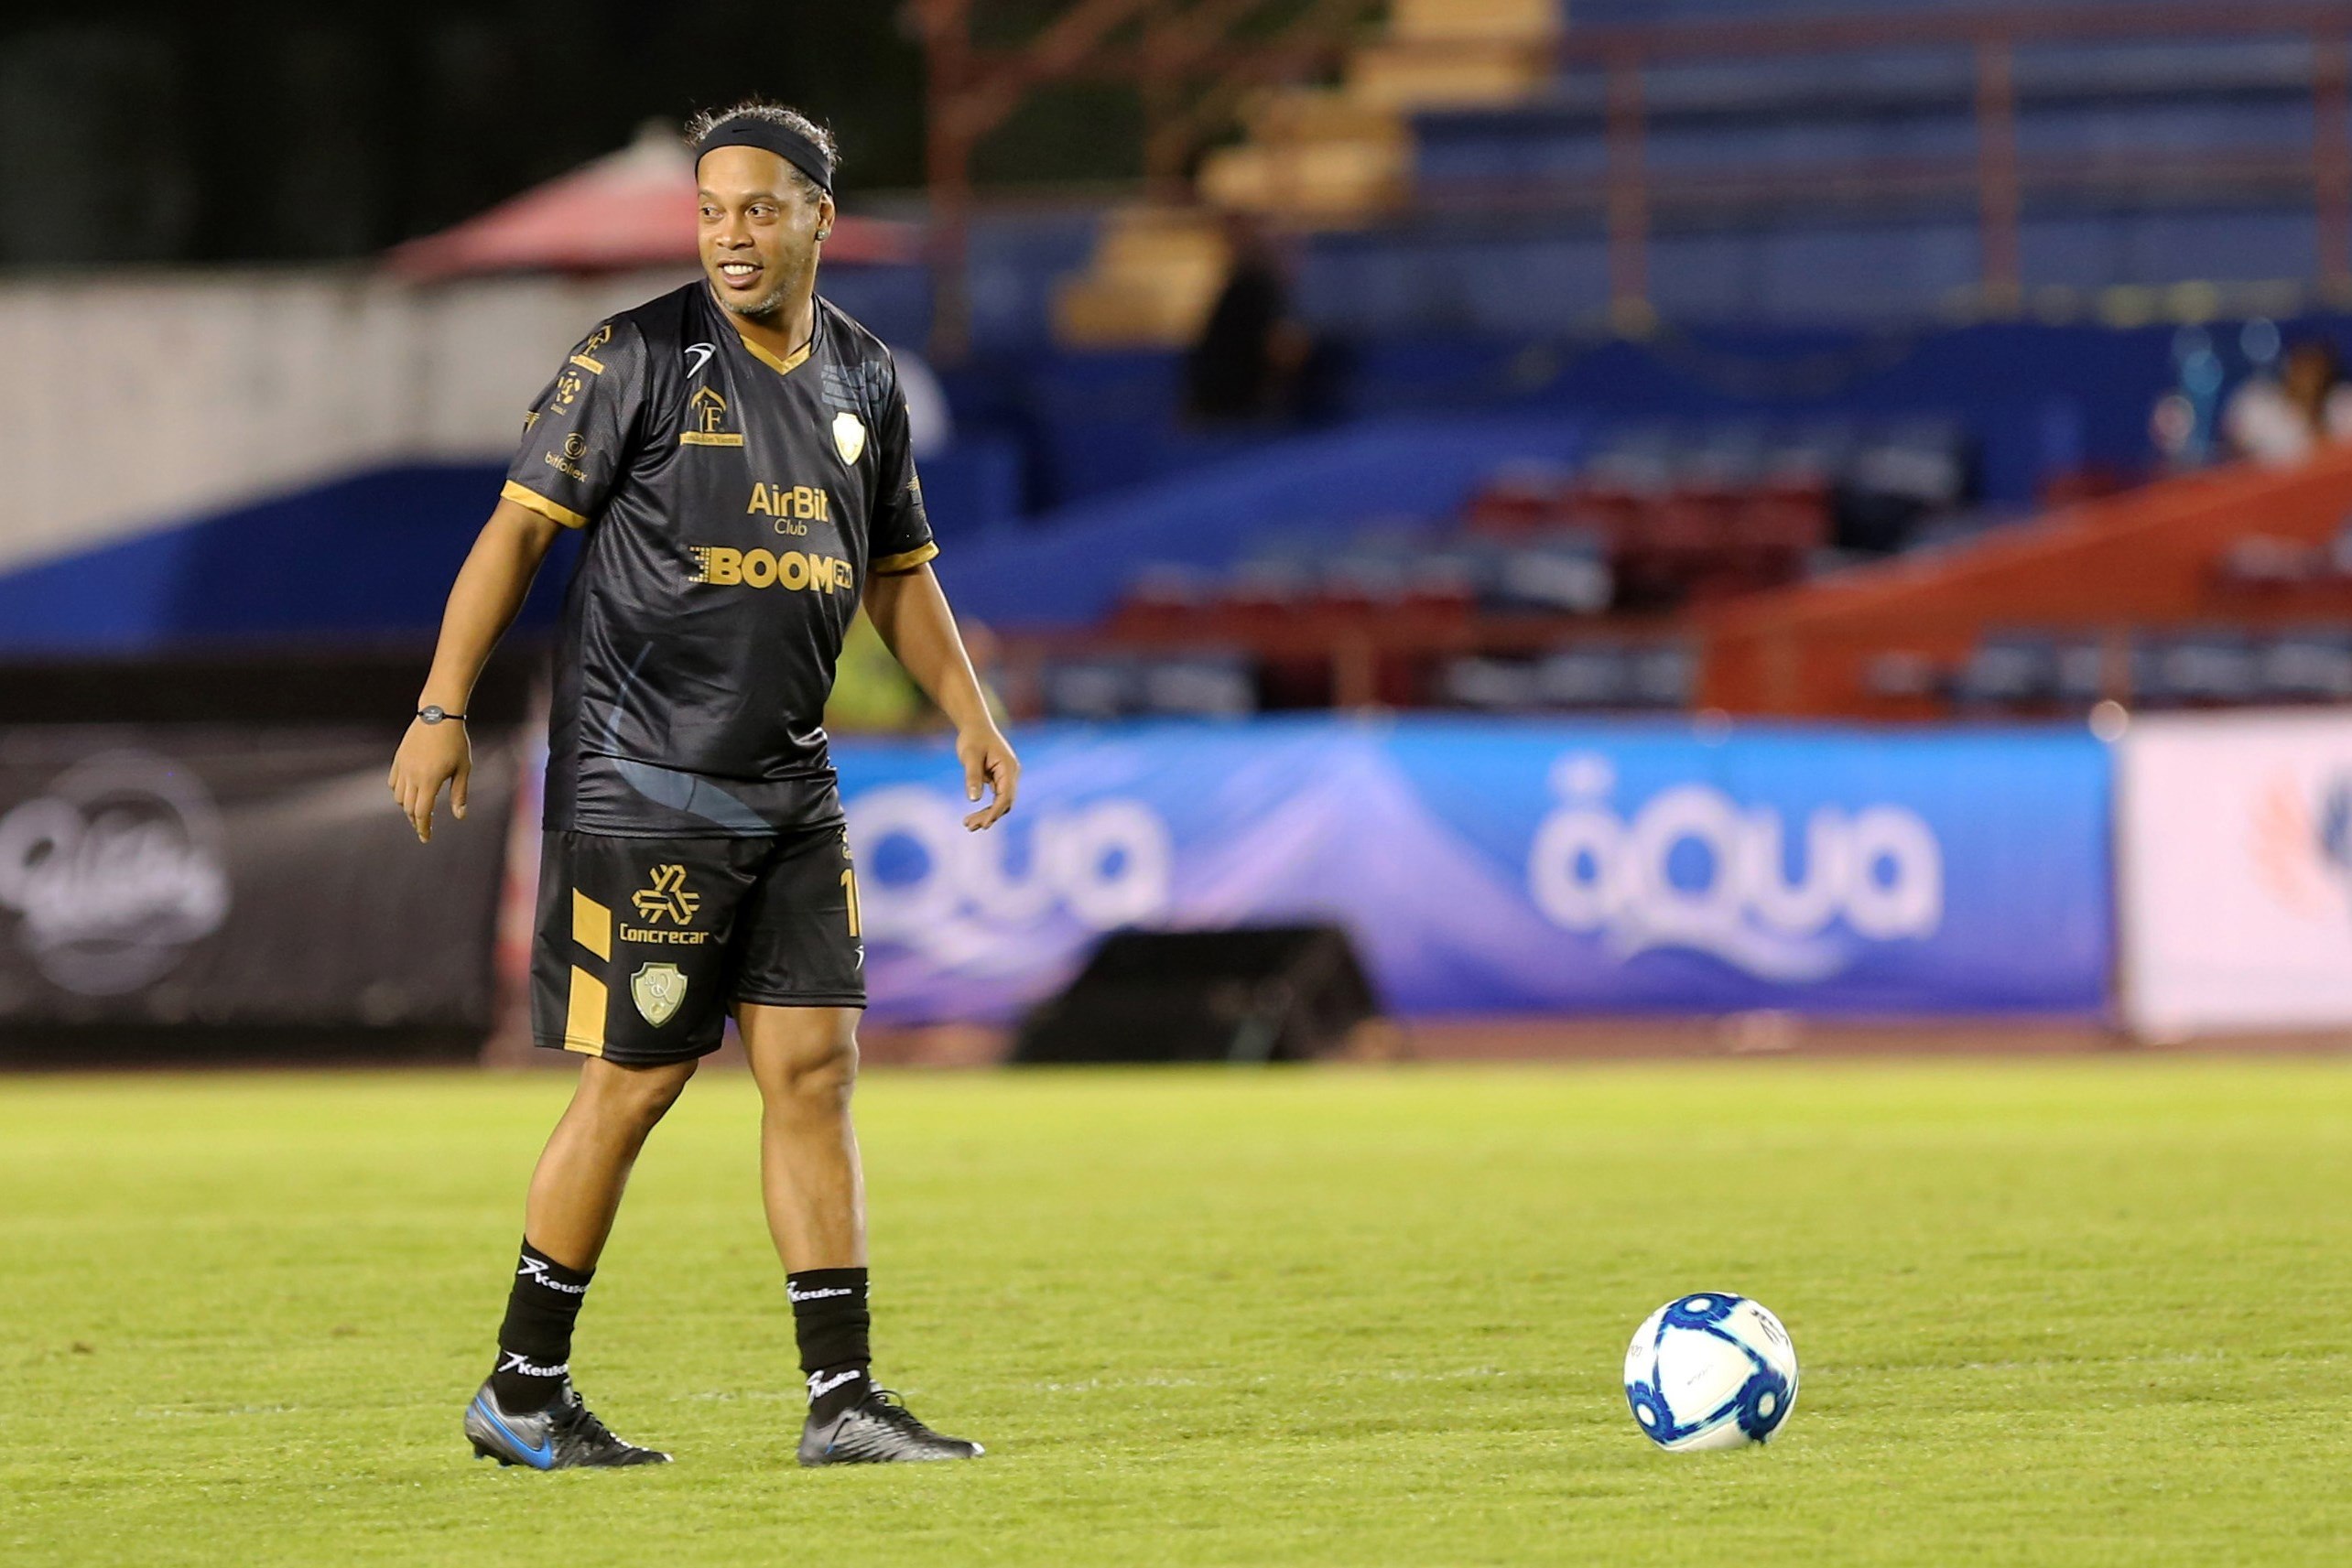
<point x="794" y="270"/>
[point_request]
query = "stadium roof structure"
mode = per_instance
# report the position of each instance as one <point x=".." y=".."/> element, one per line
<point x="633" y="208"/>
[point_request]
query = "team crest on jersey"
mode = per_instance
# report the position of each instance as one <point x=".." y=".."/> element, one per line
<point x="849" y="436"/>
<point x="659" y="990"/>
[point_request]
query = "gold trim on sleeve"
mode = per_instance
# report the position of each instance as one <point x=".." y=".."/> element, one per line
<point x="905" y="561"/>
<point x="553" y="510"/>
<point x="594" y="367"/>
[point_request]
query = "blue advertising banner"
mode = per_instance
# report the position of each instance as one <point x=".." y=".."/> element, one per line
<point x="1487" y="867"/>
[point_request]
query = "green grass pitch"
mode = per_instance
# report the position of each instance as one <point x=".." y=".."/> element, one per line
<point x="2079" y="1312"/>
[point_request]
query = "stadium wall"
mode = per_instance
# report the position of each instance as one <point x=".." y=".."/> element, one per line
<point x="182" y="400"/>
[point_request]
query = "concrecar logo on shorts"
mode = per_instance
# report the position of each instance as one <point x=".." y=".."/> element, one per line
<point x="978" y="899"/>
<point x="666" y="898"/>
<point x="1693" y="868"/>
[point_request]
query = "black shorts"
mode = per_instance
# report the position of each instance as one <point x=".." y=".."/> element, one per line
<point x="644" y="944"/>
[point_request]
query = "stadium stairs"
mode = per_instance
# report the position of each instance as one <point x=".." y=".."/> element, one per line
<point x="1316" y="157"/>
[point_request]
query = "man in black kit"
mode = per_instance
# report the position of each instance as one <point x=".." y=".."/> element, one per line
<point x="737" y="454"/>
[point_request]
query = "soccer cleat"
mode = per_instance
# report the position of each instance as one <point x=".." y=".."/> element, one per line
<point x="878" y="1429"/>
<point x="564" y="1436"/>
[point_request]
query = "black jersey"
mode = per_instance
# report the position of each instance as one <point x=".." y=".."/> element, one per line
<point x="734" y="503"/>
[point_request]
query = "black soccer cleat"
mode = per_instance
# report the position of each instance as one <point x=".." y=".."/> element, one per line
<point x="878" y="1429"/>
<point x="564" y="1436"/>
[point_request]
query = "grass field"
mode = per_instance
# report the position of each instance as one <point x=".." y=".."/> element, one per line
<point x="2078" y="1312"/>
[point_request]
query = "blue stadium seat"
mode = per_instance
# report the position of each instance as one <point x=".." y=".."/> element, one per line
<point x="1664" y="676"/>
<point x="2313" y="665"/>
<point x="2209" y="668"/>
<point x="1594" y="676"/>
<point x="1096" y="689"/>
<point x="2030" y="670"/>
<point x="1566" y="574"/>
<point x="1197" y="687"/>
<point x="1490" y="685"/>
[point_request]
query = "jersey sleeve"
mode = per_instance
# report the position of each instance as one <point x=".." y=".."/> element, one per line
<point x="582" y="429"/>
<point x="898" y="534"/>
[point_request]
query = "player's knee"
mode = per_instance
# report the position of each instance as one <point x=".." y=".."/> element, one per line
<point x="818" y="1076"/>
<point x="635" y="1100"/>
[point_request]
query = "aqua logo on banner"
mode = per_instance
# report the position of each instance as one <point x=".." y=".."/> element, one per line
<point x="1511" y="868"/>
<point x="1693" y="868"/>
<point x="1102" y="864"/>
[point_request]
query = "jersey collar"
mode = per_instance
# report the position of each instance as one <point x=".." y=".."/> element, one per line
<point x="783" y="364"/>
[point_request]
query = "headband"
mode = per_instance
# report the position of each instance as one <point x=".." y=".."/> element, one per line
<point x="747" y="131"/>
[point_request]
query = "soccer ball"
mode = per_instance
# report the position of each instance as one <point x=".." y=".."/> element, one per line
<point x="1710" y="1370"/>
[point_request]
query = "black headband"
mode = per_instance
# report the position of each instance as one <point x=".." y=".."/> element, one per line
<point x="746" y="131"/>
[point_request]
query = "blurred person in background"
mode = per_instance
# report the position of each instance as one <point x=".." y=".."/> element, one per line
<point x="738" y="452"/>
<point x="1251" y="363"/>
<point x="2282" y="420"/>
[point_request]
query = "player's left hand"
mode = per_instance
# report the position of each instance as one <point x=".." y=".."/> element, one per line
<point x="989" y="763"/>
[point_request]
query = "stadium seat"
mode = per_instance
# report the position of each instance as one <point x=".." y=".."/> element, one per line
<point x="2306" y="666"/>
<point x="1096" y="689"/>
<point x="2031" y="670"/>
<point x="2198" y="669"/>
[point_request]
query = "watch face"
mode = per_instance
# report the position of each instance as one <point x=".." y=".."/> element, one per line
<point x="433" y="713"/>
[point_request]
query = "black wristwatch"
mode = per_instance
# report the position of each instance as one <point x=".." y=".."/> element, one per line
<point x="433" y="713"/>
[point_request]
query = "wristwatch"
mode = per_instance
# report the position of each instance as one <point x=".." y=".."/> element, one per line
<point x="433" y="713"/>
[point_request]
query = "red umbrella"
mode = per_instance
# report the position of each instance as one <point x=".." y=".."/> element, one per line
<point x="630" y="209"/>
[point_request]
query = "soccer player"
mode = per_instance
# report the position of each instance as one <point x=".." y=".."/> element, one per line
<point x="736" y="453"/>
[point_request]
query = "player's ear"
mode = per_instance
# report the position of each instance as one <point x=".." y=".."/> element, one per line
<point x="825" y="214"/>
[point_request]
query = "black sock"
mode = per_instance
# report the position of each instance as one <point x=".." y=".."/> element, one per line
<point x="831" y="1320"/>
<point x="535" y="1342"/>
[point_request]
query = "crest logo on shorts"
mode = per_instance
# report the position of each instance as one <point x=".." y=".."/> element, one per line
<point x="659" y="990"/>
<point x="667" y="898"/>
<point x="849" y="436"/>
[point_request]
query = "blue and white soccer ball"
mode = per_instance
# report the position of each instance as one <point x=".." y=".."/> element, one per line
<point x="1710" y="1370"/>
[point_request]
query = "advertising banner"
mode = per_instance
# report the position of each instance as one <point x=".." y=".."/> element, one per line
<point x="2235" y="835"/>
<point x="249" y="876"/>
<point x="1511" y="868"/>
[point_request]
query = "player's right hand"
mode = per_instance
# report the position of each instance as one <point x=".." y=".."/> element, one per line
<point x="431" y="755"/>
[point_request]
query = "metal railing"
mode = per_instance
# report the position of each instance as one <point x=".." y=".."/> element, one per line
<point x="1193" y="66"/>
<point x="2000" y="177"/>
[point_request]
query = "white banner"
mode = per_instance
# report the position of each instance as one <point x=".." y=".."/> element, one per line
<point x="2234" y="843"/>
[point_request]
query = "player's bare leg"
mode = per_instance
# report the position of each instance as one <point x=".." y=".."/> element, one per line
<point x="805" y="1060"/>
<point x="576" y="1189"/>
<point x="528" y="1413"/>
